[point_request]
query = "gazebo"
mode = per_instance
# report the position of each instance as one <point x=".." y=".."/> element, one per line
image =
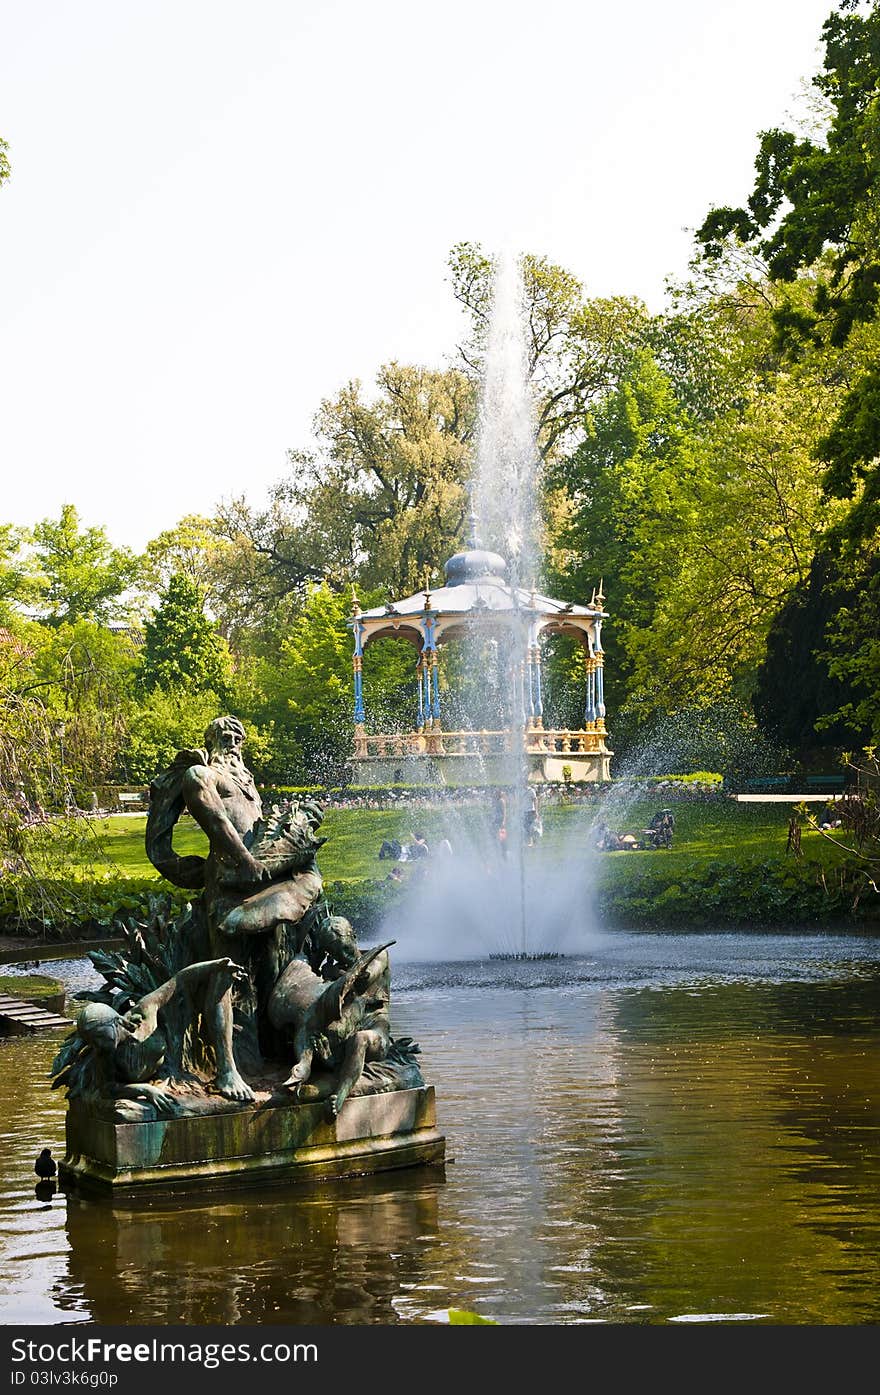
<point x="478" y="597"/>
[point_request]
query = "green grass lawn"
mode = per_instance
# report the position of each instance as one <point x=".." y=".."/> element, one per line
<point x="704" y="833"/>
<point x="728" y="866"/>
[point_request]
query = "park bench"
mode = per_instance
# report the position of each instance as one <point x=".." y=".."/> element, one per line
<point x="825" y="784"/>
<point x="767" y="783"/>
<point x="132" y="800"/>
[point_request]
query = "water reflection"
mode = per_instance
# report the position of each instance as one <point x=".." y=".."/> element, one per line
<point x="735" y="1169"/>
<point x="335" y="1254"/>
<point x="673" y="1128"/>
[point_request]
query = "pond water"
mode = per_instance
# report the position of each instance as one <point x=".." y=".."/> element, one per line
<point x="669" y="1128"/>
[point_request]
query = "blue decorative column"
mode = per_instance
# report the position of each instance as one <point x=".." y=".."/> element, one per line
<point x="419" y="672"/>
<point x="435" y="676"/>
<point x="590" y="706"/>
<point x="432" y="682"/>
<point x="425" y="688"/>
<point x="530" y="667"/>
<point x="360" y="735"/>
<point x="539" y="696"/>
<point x="358" y="666"/>
<point x="600" y="676"/>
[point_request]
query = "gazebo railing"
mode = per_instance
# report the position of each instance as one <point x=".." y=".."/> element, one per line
<point x="433" y="741"/>
<point x="565" y="741"/>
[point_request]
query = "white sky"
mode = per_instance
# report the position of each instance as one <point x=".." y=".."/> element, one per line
<point x="219" y="213"/>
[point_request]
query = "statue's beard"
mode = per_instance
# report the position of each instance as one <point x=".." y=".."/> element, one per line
<point x="232" y="762"/>
<point x="231" y="759"/>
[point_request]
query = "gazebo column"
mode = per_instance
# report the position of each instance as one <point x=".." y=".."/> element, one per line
<point x="420" y="665"/>
<point x="432" y="704"/>
<point x="435" y="684"/>
<point x="431" y="690"/>
<point x="600" y="674"/>
<point x="538" y="696"/>
<point x="360" y="716"/>
<point x="590" y="705"/>
<point x="513" y="691"/>
<point x="426" y="689"/>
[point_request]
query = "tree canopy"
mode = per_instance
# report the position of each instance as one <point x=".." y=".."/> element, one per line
<point x="81" y="575"/>
<point x="183" y="650"/>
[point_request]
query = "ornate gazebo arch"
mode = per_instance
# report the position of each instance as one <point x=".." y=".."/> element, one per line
<point x="477" y="594"/>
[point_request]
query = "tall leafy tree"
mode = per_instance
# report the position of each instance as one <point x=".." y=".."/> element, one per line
<point x="700" y="529"/>
<point x="83" y="576"/>
<point x="798" y="699"/>
<point x="814" y="205"/>
<point x="815" y="202"/>
<point x="224" y="565"/>
<point x="19" y="587"/>
<point x="381" y="498"/>
<point x="167" y="721"/>
<point x="183" y="650"/>
<point x="577" y="347"/>
<point x="311" y="690"/>
<point x="84" y="674"/>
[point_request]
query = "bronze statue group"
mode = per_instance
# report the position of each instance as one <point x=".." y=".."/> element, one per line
<point x="252" y="993"/>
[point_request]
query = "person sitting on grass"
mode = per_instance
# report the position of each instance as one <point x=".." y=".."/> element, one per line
<point x="660" y="829"/>
<point x="606" y="841"/>
<point x="418" y="847"/>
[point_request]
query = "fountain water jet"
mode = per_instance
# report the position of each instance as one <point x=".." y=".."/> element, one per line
<point x="505" y="500"/>
<point x="490" y="601"/>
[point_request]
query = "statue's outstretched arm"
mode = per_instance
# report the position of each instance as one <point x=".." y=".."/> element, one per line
<point x="187" y="980"/>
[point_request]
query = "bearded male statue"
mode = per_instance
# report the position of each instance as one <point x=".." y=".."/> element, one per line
<point x="260" y="877"/>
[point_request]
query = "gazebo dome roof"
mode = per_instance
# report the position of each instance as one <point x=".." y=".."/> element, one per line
<point x="473" y="565"/>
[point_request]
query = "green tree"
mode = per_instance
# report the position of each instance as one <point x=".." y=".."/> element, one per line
<point x="796" y="698"/>
<point x="309" y="695"/>
<point x="5" y="169"/>
<point x="853" y="654"/>
<point x="84" y="674"/>
<point x="315" y="686"/>
<point x="814" y="206"/>
<point x="167" y="721"/>
<point x="383" y="496"/>
<point x="183" y="650"/>
<point x="815" y="202"/>
<point x="700" y="529"/>
<point x="187" y="550"/>
<point x="83" y="576"/>
<point x="577" y="348"/>
<point x="224" y="567"/>
<point x="19" y="588"/>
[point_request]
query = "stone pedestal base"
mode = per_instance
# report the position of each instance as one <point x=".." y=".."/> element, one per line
<point x="252" y="1146"/>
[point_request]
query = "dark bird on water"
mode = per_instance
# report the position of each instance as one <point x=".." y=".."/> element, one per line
<point x="45" y="1166"/>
